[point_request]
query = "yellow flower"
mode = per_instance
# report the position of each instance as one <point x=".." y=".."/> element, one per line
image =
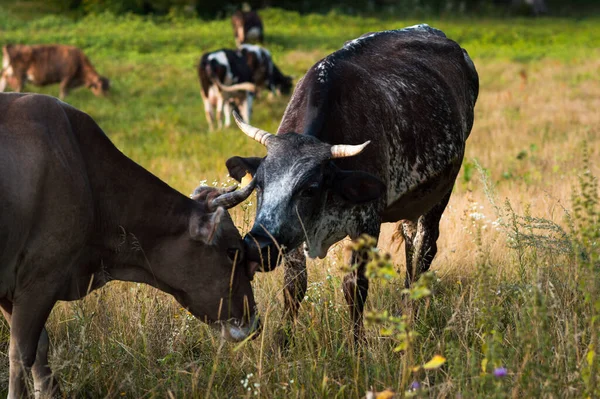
<point x="435" y="362"/>
<point x="387" y="394"/>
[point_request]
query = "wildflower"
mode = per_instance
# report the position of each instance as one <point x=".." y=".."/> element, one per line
<point x="500" y="372"/>
<point x="477" y="216"/>
<point x="415" y="386"/>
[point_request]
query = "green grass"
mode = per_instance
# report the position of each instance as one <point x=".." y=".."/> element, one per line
<point x="498" y="299"/>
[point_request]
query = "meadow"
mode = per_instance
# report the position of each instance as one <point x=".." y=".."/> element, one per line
<point x="512" y="304"/>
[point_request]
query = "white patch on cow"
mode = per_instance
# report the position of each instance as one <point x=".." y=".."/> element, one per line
<point x="261" y="52"/>
<point x="353" y="43"/>
<point x="30" y="77"/>
<point x="330" y="229"/>
<point x="323" y="69"/>
<point x="350" y="45"/>
<point x="421" y="27"/>
<point x="253" y="33"/>
<point x="5" y="61"/>
<point x="276" y="193"/>
<point x="221" y="58"/>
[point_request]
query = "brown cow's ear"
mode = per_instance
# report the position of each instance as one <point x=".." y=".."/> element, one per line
<point x="358" y="187"/>
<point x="238" y="166"/>
<point x="205" y="227"/>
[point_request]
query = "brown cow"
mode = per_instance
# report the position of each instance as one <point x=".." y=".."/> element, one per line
<point x="247" y="27"/>
<point x="47" y="64"/>
<point x="77" y="214"/>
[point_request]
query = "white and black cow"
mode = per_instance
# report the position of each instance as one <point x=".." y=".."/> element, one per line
<point x="374" y="133"/>
<point x="265" y="73"/>
<point x="226" y="84"/>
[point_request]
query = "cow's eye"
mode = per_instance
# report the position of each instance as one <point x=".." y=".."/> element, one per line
<point x="310" y="191"/>
<point x="232" y="253"/>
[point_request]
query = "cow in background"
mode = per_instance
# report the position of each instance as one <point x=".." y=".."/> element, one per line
<point x="265" y="73"/>
<point x="48" y="64"/>
<point x="226" y="84"/>
<point x="374" y="133"/>
<point x="247" y="26"/>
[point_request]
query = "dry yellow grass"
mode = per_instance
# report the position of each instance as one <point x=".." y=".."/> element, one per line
<point x="102" y="335"/>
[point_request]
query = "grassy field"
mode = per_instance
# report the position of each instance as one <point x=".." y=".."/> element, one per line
<point x="516" y="284"/>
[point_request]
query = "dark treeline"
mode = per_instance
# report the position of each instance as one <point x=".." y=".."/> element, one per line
<point x="220" y="8"/>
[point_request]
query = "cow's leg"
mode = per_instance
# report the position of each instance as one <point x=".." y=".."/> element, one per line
<point x="209" y="111"/>
<point x="27" y="319"/>
<point x="2" y="83"/>
<point x="356" y="287"/>
<point x="220" y="104"/>
<point x="408" y="229"/>
<point x="295" y="283"/>
<point x="227" y="112"/>
<point x="43" y="381"/>
<point x="20" y="83"/>
<point x="246" y="108"/>
<point x="420" y="240"/>
<point x="64" y="88"/>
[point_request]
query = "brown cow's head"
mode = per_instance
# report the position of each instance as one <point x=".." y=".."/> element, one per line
<point x="209" y="275"/>
<point x="100" y="86"/>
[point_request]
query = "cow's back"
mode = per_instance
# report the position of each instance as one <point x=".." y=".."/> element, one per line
<point x="46" y="64"/>
<point x="53" y="63"/>
<point x="45" y="200"/>
<point x="411" y="92"/>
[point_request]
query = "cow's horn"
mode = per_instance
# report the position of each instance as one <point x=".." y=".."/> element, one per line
<point x="345" y="150"/>
<point x="200" y="190"/>
<point x="231" y="199"/>
<point x="261" y="136"/>
<point x="246" y="86"/>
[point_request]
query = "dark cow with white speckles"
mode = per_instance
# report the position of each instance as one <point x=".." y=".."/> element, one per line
<point x="374" y="133"/>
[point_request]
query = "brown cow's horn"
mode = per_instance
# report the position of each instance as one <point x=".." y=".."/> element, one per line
<point x="261" y="136"/>
<point x="200" y="190"/>
<point x="344" y="150"/>
<point x="229" y="200"/>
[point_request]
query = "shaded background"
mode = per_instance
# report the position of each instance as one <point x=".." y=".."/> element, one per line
<point x="211" y="8"/>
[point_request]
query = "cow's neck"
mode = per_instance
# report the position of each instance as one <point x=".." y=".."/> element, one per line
<point x="135" y="212"/>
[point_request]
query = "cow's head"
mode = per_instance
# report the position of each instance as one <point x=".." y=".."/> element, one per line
<point x="302" y="195"/>
<point x="282" y="83"/>
<point x="285" y="84"/>
<point x="100" y="85"/>
<point x="209" y="276"/>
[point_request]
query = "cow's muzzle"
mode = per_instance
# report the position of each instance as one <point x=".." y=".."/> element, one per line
<point x="233" y="331"/>
<point x="262" y="253"/>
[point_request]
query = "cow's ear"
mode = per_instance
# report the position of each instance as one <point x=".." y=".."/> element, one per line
<point x="238" y="166"/>
<point x="205" y="227"/>
<point x="358" y="187"/>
